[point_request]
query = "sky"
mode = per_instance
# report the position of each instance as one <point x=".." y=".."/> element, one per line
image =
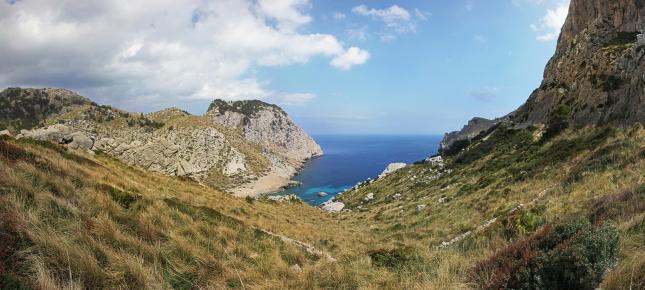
<point x="337" y="67"/>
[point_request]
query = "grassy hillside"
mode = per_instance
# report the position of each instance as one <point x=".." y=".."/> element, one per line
<point x="75" y="220"/>
<point x="438" y="222"/>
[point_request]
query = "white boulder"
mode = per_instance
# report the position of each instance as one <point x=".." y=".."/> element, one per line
<point x="332" y="206"/>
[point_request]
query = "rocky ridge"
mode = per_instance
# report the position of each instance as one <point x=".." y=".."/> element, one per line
<point x="172" y="142"/>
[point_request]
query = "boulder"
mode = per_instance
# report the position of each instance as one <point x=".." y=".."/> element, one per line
<point x="5" y="133"/>
<point x="80" y="141"/>
<point x="368" y="197"/>
<point x="332" y="206"/>
<point x="421" y="207"/>
<point x="321" y="194"/>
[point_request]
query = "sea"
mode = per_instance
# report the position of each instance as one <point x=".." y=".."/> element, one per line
<point x="349" y="159"/>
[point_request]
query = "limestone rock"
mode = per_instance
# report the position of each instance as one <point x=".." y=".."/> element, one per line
<point x="332" y="206"/>
<point x="368" y="197"/>
<point x="391" y="168"/>
<point x="266" y="124"/>
<point x="5" y="133"/>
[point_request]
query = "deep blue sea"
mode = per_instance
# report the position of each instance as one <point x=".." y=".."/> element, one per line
<point x="349" y="159"/>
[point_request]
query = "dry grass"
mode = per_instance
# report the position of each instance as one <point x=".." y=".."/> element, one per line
<point x="84" y="221"/>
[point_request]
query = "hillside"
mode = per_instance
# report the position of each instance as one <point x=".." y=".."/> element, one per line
<point x="170" y="141"/>
<point x="550" y="196"/>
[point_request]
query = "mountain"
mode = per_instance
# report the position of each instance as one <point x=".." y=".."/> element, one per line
<point x="595" y="76"/>
<point x="257" y="154"/>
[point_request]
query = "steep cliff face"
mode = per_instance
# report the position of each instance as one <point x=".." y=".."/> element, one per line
<point x="265" y="124"/>
<point x="597" y="75"/>
<point x="230" y="154"/>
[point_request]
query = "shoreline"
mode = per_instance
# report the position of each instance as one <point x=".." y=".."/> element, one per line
<point x="270" y="183"/>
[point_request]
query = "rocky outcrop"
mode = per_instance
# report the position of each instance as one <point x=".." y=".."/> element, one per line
<point x="174" y="142"/>
<point x="597" y="75"/>
<point x="332" y="205"/>
<point x="474" y="127"/>
<point x="265" y="124"/>
<point x="391" y="168"/>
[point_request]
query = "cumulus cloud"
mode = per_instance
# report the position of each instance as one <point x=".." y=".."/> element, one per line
<point x="351" y="57"/>
<point x="160" y="50"/>
<point x="397" y="20"/>
<point x="551" y="23"/>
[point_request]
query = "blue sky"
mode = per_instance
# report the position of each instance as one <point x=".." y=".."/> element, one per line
<point x="353" y="67"/>
<point x="470" y="58"/>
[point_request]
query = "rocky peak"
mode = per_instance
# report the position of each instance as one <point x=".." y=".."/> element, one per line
<point x="265" y="124"/>
<point x="246" y="107"/>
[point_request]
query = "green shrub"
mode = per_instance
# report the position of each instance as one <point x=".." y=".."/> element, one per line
<point x="521" y="224"/>
<point x="573" y="255"/>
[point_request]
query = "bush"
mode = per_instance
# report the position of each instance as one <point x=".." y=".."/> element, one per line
<point x="573" y="255"/>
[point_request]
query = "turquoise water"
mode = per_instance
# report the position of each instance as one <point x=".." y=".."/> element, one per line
<point x="349" y="159"/>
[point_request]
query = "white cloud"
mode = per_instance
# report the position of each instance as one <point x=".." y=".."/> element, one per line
<point x="551" y="23"/>
<point x="391" y="16"/>
<point x="353" y="56"/>
<point x="397" y="20"/>
<point x="159" y="50"/>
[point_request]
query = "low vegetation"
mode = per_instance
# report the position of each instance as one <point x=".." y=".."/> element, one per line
<point x="510" y="209"/>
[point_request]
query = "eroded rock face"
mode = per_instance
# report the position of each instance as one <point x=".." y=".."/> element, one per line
<point x="265" y="124"/>
<point x="598" y="70"/>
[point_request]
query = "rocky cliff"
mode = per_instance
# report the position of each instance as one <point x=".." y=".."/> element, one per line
<point x="255" y="155"/>
<point x="596" y="76"/>
<point x="265" y="124"/>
